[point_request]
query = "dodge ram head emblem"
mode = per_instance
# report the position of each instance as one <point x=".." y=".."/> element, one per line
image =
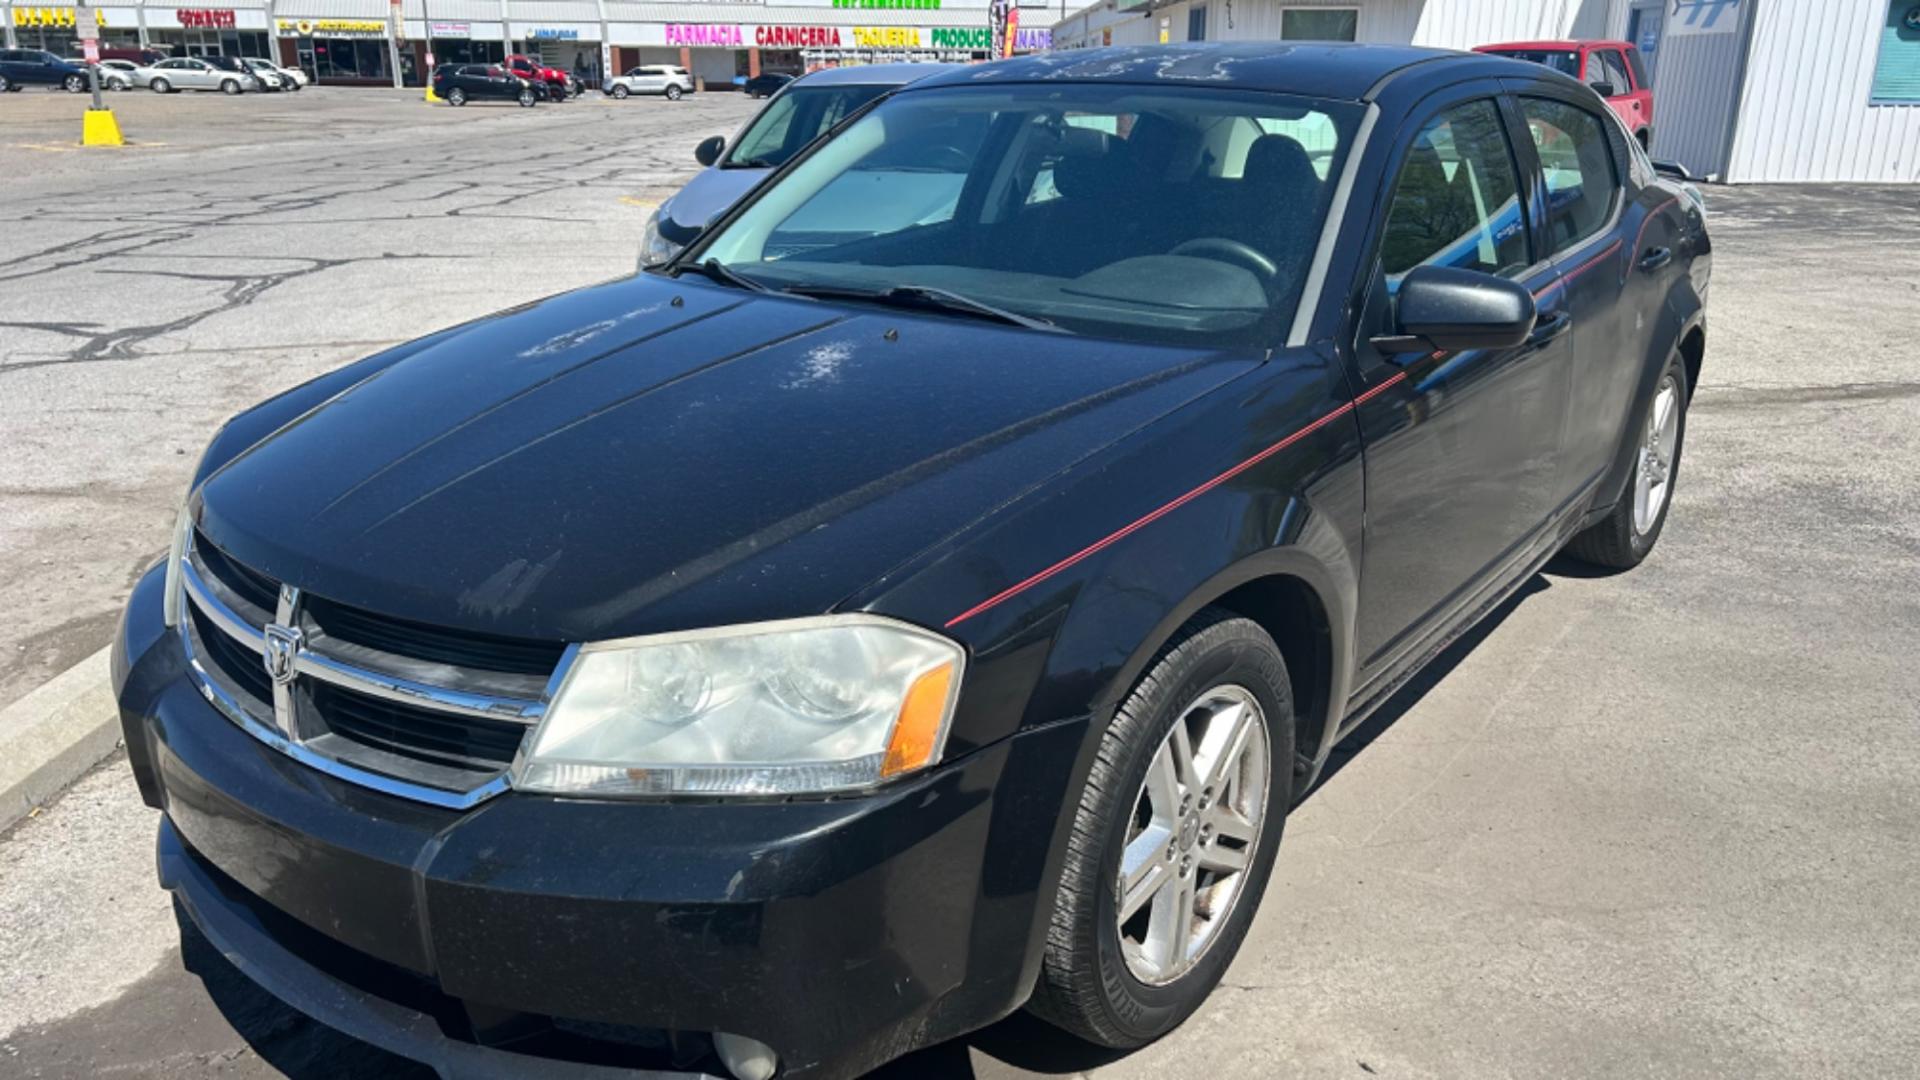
<point x="282" y="649"/>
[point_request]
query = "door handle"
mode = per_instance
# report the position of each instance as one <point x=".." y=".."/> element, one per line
<point x="1552" y="326"/>
<point x="1655" y="258"/>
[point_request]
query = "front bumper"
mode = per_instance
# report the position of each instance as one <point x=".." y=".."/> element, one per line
<point x="842" y="933"/>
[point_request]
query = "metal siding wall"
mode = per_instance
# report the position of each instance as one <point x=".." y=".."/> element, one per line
<point x="1695" y="89"/>
<point x="1806" y="115"/>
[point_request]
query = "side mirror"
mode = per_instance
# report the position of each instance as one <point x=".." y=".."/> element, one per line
<point x="709" y="149"/>
<point x="1674" y="170"/>
<point x="1439" y="307"/>
<point x="1604" y="89"/>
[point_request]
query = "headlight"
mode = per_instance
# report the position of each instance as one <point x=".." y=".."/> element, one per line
<point x="835" y="703"/>
<point x="170" y="603"/>
<point x="654" y="248"/>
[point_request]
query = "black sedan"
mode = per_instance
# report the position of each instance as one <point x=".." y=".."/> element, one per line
<point x="765" y="84"/>
<point x="457" y="84"/>
<point x="926" y="596"/>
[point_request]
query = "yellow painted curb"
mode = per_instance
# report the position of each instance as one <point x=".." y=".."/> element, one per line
<point x="99" y="128"/>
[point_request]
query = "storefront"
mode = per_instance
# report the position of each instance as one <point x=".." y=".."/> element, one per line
<point x="462" y="42"/>
<point x="572" y="47"/>
<point x="341" y="52"/>
<point x="55" y="29"/>
<point x="207" y="31"/>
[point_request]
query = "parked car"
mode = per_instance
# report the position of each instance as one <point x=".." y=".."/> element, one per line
<point x="120" y="75"/>
<point x="798" y="113"/>
<point x="766" y="84"/>
<point x="663" y="79"/>
<point x="457" y="84"/>
<point x="140" y="57"/>
<point x="828" y="643"/>
<point x="27" y="67"/>
<point x="1613" y="68"/>
<point x="199" y="73"/>
<point x="281" y="78"/>
<point x="531" y="69"/>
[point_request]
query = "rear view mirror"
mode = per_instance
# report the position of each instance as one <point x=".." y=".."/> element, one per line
<point x="709" y="149"/>
<point x="1439" y="307"/>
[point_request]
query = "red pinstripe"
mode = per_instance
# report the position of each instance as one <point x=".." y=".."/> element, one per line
<point x="1137" y="524"/>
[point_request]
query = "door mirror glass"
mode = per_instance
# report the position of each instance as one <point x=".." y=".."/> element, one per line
<point x="1441" y="307"/>
<point x="709" y="149"/>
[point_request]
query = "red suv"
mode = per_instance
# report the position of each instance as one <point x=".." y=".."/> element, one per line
<point x="1612" y="68"/>
<point x="531" y="69"/>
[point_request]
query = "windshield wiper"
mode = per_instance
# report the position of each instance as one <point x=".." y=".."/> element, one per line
<point x="926" y="296"/>
<point x="716" y="270"/>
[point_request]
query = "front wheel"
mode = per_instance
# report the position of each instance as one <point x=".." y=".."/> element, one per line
<point x="1627" y="534"/>
<point x="76" y="84"/>
<point x="526" y="99"/>
<point x="673" y="93"/>
<point x="229" y="87"/>
<point x="161" y="86"/>
<point x="620" y="93"/>
<point x="1174" y="836"/>
<point x="457" y="96"/>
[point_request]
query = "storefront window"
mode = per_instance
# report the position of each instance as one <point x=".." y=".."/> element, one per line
<point x="350" y="58"/>
<point x="1896" y="78"/>
<point x="464" y="51"/>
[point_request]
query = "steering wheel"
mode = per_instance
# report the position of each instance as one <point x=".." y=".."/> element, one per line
<point x="1221" y="249"/>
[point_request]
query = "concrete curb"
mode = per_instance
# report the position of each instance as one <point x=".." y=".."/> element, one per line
<point x="54" y="734"/>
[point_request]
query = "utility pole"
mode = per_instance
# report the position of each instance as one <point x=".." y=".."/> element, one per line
<point x="396" y="26"/>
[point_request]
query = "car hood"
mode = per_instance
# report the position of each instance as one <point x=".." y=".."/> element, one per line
<point x="711" y="191"/>
<point x="652" y="454"/>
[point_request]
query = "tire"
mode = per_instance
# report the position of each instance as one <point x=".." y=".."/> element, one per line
<point x="1627" y="534"/>
<point x="229" y="87"/>
<point x="620" y="93"/>
<point x="456" y="96"/>
<point x="1091" y="984"/>
<point x="673" y="92"/>
<point x="527" y="100"/>
<point x="160" y="86"/>
<point x="76" y="84"/>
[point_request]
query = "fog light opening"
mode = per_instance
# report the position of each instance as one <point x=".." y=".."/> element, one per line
<point x="746" y="1059"/>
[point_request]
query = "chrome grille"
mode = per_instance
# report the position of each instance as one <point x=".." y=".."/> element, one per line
<point x="427" y="712"/>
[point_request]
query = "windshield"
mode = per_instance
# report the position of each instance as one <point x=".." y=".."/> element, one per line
<point x="794" y="119"/>
<point x="1181" y="215"/>
<point x="1564" y="61"/>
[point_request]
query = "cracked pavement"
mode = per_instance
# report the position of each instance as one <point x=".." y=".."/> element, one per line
<point x="1661" y="823"/>
<point x="242" y="246"/>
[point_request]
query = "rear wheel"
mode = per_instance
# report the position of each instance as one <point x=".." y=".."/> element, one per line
<point x="526" y="99"/>
<point x="5" y="86"/>
<point x="1174" y="837"/>
<point x="161" y="86"/>
<point x="457" y="96"/>
<point x="673" y="93"/>
<point x="620" y="92"/>
<point x="1628" y="532"/>
<point x="229" y="86"/>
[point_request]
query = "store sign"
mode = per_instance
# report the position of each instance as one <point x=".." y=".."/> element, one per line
<point x="1702" y="17"/>
<point x="1033" y="40"/>
<point x="555" y="33"/>
<point x="886" y="37"/>
<point x="333" y="27"/>
<point x="51" y="18"/>
<point x="889" y="5"/>
<point x="797" y="37"/>
<point x="972" y="38"/>
<point x="709" y="35"/>
<point x="206" y="19"/>
<point x="450" y="29"/>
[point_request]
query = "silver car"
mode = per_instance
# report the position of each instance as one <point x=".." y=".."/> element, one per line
<point x="122" y="75"/>
<point x="192" y="73"/>
<point x="664" y="79"/>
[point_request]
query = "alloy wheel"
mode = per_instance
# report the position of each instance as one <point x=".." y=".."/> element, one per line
<point x="1195" y="828"/>
<point x="1653" y="468"/>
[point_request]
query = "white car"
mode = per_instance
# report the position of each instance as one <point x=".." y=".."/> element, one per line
<point x="290" y="78"/>
<point x="652" y="79"/>
<point x="122" y="75"/>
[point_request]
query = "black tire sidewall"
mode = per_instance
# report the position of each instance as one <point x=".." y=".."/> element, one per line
<point x="620" y="92"/>
<point x="1643" y="542"/>
<point x="1139" y="1010"/>
<point x="673" y="93"/>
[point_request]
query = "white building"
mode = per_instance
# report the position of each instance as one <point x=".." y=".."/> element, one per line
<point x="1744" y="90"/>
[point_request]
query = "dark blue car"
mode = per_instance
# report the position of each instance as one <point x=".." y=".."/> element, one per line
<point x="27" y="67"/>
<point x="926" y="596"/>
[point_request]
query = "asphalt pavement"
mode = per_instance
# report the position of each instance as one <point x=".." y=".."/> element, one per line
<point x="1662" y="823"/>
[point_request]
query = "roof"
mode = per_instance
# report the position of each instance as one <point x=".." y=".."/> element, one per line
<point x="871" y="74"/>
<point x="1320" y="69"/>
<point x="1568" y="44"/>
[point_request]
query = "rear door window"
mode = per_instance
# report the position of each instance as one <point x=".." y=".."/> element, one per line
<point x="1583" y="182"/>
<point x="1456" y="202"/>
<point x="1606" y="70"/>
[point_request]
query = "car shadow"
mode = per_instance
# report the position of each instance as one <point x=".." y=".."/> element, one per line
<point x="305" y="1049"/>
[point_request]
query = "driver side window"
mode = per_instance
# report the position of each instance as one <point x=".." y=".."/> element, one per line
<point x="1457" y="200"/>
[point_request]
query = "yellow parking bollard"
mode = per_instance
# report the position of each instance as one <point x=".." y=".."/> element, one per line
<point x="431" y="96"/>
<point x="99" y="128"/>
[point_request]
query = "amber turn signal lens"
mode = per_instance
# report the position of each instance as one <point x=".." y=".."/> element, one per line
<point x="916" y="734"/>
